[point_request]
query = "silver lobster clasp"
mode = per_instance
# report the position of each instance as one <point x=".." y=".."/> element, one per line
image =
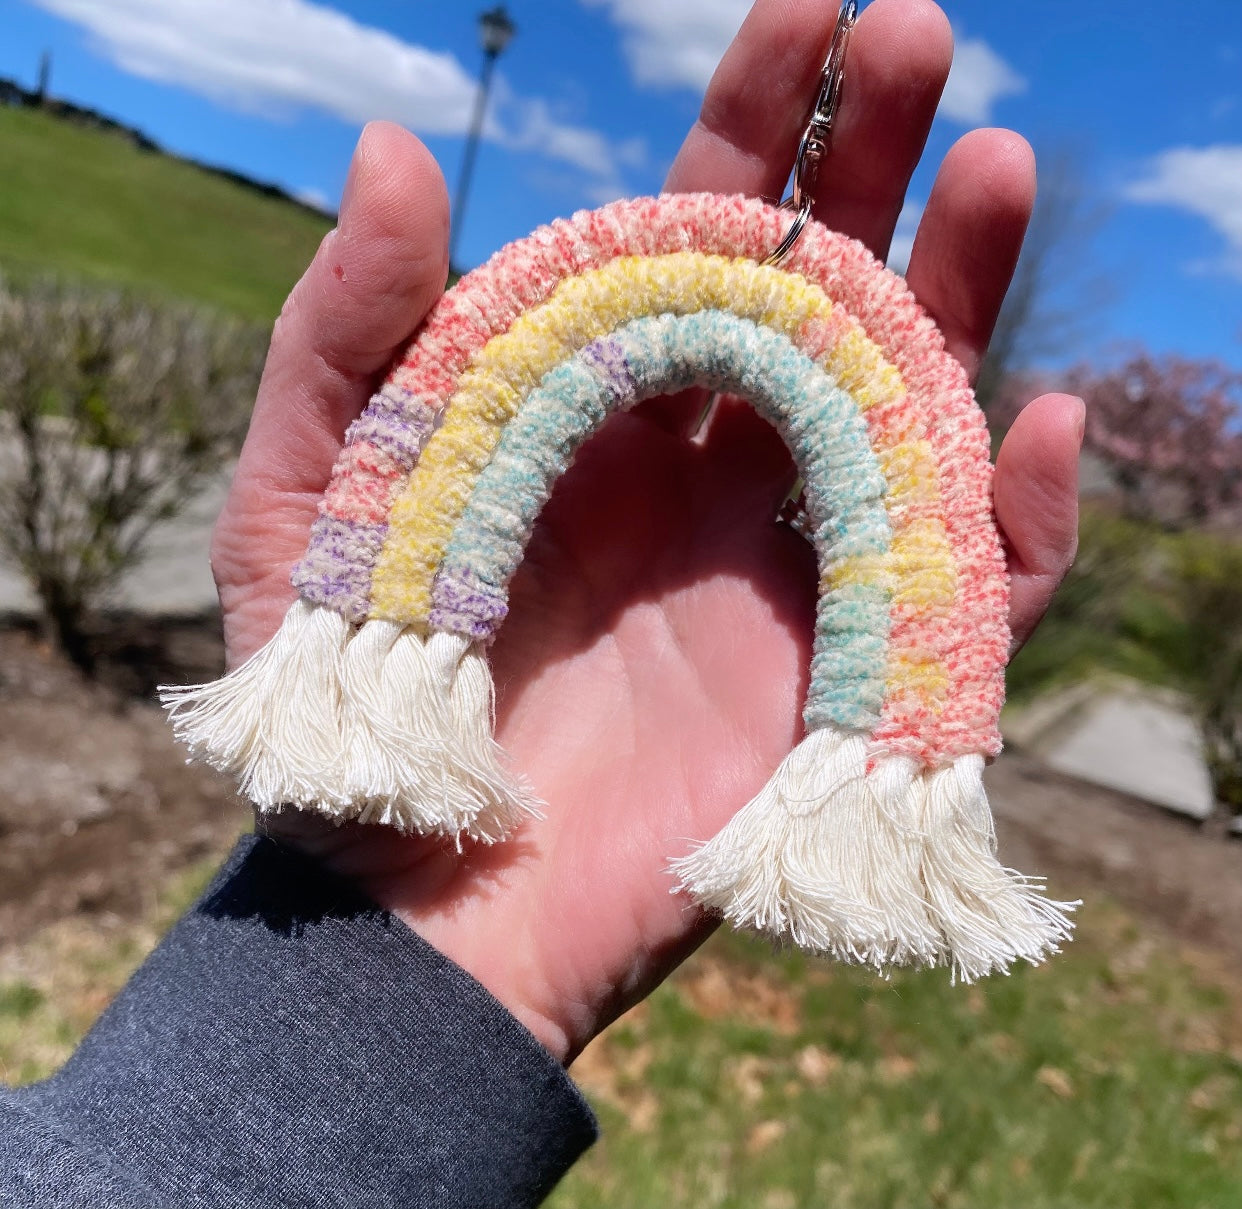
<point x="813" y="146"/>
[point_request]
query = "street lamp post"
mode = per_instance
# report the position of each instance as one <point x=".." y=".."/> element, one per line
<point x="496" y="30"/>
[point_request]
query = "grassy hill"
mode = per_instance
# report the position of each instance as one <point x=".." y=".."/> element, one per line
<point x="87" y="203"/>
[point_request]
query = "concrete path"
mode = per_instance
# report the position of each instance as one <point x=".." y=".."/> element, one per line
<point x="1124" y="735"/>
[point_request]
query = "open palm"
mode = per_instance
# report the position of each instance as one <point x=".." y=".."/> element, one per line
<point x="651" y="672"/>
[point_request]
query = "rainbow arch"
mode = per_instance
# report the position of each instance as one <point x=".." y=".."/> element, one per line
<point x="405" y="581"/>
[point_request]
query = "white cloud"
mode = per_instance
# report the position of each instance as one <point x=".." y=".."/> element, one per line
<point x="675" y="43"/>
<point x="281" y="56"/>
<point x="903" y="238"/>
<point x="1206" y="181"/>
<point x="678" y="43"/>
<point x="585" y="149"/>
<point x="316" y="198"/>
<point x="577" y="145"/>
<point x="978" y="79"/>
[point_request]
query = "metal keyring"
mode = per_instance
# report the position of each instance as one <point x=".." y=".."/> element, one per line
<point x="815" y="138"/>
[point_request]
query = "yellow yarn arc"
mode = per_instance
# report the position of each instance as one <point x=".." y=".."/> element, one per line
<point x="580" y="310"/>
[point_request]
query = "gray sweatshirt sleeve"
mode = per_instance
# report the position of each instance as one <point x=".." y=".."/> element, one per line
<point x="289" y="1044"/>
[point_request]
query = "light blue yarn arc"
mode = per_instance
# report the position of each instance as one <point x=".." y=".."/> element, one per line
<point x="820" y="423"/>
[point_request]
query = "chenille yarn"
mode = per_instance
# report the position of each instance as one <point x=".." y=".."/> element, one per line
<point x="441" y="481"/>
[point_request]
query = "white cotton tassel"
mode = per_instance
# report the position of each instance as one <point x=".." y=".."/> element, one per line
<point x="377" y="723"/>
<point x="892" y="866"/>
<point x="392" y="704"/>
<point x="476" y="767"/>
<point x="990" y="915"/>
<point x="418" y="719"/>
<point x="817" y="858"/>
<point x="275" y="721"/>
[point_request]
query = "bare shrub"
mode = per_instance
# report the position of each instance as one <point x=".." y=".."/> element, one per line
<point x="1206" y="574"/>
<point x="114" y="411"/>
<point x="1057" y="290"/>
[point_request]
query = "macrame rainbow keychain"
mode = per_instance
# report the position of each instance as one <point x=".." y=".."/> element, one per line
<point x="873" y="840"/>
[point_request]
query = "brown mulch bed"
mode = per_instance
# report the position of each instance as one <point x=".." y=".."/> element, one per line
<point x="97" y="803"/>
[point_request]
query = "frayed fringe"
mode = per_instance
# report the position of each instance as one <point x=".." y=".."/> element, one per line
<point x="887" y="867"/>
<point x="376" y="723"/>
<point x="990" y="915"/>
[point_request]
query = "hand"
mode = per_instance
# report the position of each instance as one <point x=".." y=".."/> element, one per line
<point x="651" y="672"/>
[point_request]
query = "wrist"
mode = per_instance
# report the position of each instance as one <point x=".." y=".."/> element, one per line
<point x="504" y="968"/>
<point x="423" y="882"/>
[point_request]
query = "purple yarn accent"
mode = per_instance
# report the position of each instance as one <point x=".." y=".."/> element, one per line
<point x="396" y="421"/>
<point x="336" y="569"/>
<point x="607" y="359"/>
<point x="464" y="604"/>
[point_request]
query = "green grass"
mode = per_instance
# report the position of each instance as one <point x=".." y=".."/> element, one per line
<point x="85" y="203"/>
<point x="1110" y="1078"/>
<point x="54" y="985"/>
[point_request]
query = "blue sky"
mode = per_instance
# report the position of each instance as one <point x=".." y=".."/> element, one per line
<point x="594" y="96"/>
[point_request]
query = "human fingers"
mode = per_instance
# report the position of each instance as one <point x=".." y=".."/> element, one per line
<point x="757" y="103"/>
<point x="895" y="70"/>
<point x="970" y="236"/>
<point x="371" y="282"/>
<point x="1035" y="493"/>
<point x="756" y="107"/>
<point x="748" y="127"/>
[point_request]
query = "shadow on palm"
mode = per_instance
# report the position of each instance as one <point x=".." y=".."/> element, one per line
<point x="660" y="610"/>
<point x="649" y="677"/>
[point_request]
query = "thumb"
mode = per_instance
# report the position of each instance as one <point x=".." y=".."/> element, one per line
<point x="371" y="283"/>
<point x="1035" y="493"/>
<point x="373" y="279"/>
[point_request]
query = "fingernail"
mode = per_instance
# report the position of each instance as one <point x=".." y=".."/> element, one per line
<point x="1081" y="426"/>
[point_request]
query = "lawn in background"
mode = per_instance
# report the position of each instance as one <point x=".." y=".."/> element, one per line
<point x="1110" y="1078"/>
<point x="87" y="203"/>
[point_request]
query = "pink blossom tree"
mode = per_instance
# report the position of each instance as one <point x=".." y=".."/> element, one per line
<point x="1170" y="429"/>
